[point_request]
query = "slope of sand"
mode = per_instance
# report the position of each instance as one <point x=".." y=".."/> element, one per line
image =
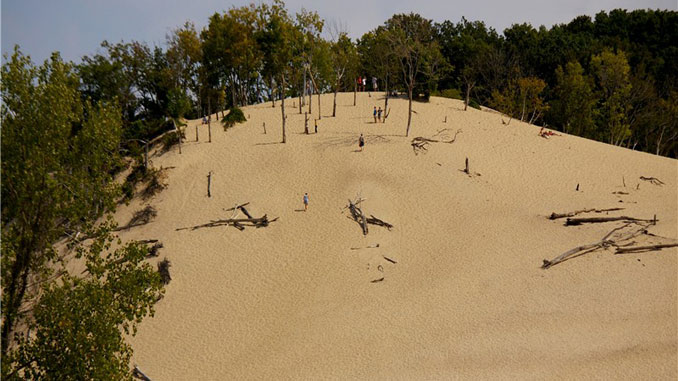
<point x="467" y="297"/>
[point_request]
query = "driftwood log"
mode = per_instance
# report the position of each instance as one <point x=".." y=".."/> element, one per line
<point x="420" y="143"/>
<point x="642" y="249"/>
<point x="555" y="216"/>
<point x="603" y="243"/>
<point x="358" y="216"/>
<point x="239" y="223"/>
<point x="593" y="220"/>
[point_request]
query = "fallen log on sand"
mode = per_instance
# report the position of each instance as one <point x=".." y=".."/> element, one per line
<point x="593" y="220"/>
<point x="239" y="223"/>
<point x="358" y="216"/>
<point x="642" y="249"/>
<point x="603" y="243"/>
<point x="555" y="216"/>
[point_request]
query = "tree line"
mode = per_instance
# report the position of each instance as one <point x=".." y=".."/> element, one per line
<point x="66" y="129"/>
<point x="610" y="78"/>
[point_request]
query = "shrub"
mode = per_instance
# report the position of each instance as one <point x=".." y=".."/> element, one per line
<point x="169" y="140"/>
<point x="235" y="115"/>
<point x="449" y="93"/>
<point x="473" y="103"/>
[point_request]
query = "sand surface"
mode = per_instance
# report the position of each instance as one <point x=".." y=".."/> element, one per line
<point x="467" y="298"/>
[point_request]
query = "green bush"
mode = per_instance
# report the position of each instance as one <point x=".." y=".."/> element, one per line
<point x="449" y="93"/>
<point x="235" y="115"/>
<point x="170" y="140"/>
<point x="473" y="103"/>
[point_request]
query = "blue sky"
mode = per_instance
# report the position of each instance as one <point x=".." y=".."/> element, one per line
<point x="77" y="27"/>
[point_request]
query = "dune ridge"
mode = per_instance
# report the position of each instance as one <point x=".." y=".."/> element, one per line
<point x="467" y="297"/>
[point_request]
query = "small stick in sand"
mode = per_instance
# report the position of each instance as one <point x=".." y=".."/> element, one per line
<point x="209" y="184"/>
<point x="389" y="259"/>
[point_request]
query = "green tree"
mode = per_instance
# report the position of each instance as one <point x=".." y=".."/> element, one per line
<point x="344" y="60"/>
<point x="378" y="59"/>
<point x="573" y="106"/>
<point x="76" y="330"/>
<point x="58" y="154"/>
<point x="411" y="38"/>
<point x="612" y="71"/>
<point x="184" y="54"/>
<point x="531" y="102"/>
<point x="275" y="35"/>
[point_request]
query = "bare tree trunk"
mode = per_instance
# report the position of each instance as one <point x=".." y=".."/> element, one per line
<point x="355" y="90"/>
<point x="282" y="107"/>
<point x="659" y="140"/>
<point x="468" y="96"/>
<point x="209" y="119"/>
<point x="409" y="111"/>
<point x="334" y="106"/>
<point x="310" y="99"/>
<point x="272" y="92"/>
<point x="385" y="100"/>
<point x="233" y="98"/>
<point x="303" y="91"/>
<point x="178" y="132"/>
<point x="317" y="91"/>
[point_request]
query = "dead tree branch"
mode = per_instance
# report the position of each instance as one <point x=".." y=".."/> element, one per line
<point x="239" y="223"/>
<point x="642" y="249"/>
<point x="555" y="216"/>
<point x="358" y="216"/>
<point x="592" y="220"/>
<point x="652" y="180"/>
<point x="420" y="143"/>
<point x="603" y="243"/>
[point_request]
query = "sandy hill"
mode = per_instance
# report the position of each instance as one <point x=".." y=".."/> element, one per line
<point x="467" y="297"/>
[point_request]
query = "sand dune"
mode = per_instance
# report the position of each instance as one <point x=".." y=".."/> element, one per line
<point x="467" y="297"/>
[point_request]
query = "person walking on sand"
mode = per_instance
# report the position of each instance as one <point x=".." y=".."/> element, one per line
<point x="361" y="142"/>
<point x="364" y="83"/>
<point x="379" y="114"/>
<point x="374" y="84"/>
<point x="305" y="202"/>
<point x="374" y="113"/>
